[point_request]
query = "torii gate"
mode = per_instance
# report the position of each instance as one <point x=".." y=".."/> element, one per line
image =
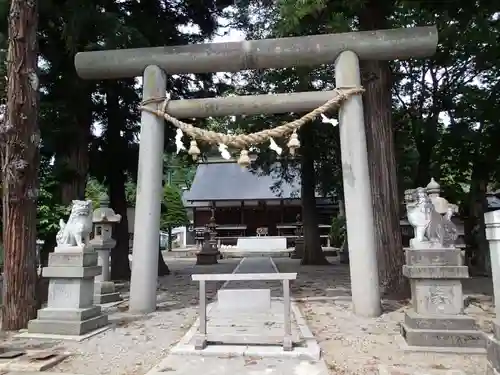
<point x="345" y="49"/>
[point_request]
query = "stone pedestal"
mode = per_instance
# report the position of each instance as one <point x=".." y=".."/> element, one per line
<point x="207" y="255"/>
<point x="298" y="251"/>
<point x="436" y="320"/>
<point x="104" y="290"/>
<point x="70" y="310"/>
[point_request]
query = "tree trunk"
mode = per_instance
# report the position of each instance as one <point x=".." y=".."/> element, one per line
<point x="313" y="253"/>
<point x="474" y="225"/>
<point x="380" y="144"/>
<point x="115" y="172"/>
<point x="423" y="175"/>
<point x="162" y="266"/>
<point x="169" y="244"/>
<point x="20" y="158"/>
<point x="72" y="158"/>
<point x="120" y="265"/>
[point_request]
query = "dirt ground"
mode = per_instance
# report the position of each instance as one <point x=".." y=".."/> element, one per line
<point x="350" y="345"/>
<point x="357" y="346"/>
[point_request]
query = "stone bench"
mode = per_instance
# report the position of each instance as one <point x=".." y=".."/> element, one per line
<point x="203" y="338"/>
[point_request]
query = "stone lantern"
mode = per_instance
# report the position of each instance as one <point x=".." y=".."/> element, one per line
<point x="298" y="252"/>
<point x="104" y="219"/>
<point x="209" y="251"/>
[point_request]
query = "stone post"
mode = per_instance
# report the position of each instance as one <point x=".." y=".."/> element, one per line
<point x="71" y="271"/>
<point x="492" y="222"/>
<point x="357" y="192"/>
<point x="104" y="218"/>
<point x="436" y="321"/>
<point x="298" y="251"/>
<point x="149" y="192"/>
<point x="209" y="250"/>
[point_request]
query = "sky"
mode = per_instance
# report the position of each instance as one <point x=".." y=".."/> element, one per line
<point x="223" y="35"/>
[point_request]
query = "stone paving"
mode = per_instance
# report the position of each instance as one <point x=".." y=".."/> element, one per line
<point x="220" y="359"/>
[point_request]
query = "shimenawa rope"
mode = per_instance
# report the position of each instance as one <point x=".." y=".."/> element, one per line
<point x="243" y="141"/>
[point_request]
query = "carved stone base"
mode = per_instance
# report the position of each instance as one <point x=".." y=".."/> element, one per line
<point x="436" y="320"/>
<point x="298" y="252"/>
<point x="104" y="292"/>
<point x="70" y="310"/>
<point x="204" y="258"/>
<point x="440" y="340"/>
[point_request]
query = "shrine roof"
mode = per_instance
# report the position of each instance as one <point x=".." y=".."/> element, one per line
<point x="223" y="181"/>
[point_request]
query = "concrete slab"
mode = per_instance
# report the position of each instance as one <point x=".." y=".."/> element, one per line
<point x="260" y="244"/>
<point x="47" y="336"/>
<point x="228" y="365"/>
<point x="248" y="300"/>
<point x="248" y="325"/>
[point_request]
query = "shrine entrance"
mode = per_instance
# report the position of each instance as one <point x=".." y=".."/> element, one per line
<point x="345" y="49"/>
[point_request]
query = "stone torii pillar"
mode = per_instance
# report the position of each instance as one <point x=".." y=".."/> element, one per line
<point x="347" y="48"/>
<point x="492" y="222"/>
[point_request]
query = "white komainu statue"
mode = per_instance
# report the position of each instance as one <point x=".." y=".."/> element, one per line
<point x="76" y="231"/>
<point x="430" y="219"/>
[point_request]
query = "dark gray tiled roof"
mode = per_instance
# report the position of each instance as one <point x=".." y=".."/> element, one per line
<point x="229" y="181"/>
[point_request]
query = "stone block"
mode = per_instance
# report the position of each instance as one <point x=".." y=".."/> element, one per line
<point x="490" y="370"/>
<point x="72" y="249"/>
<point x="457" y="322"/>
<point x="496" y="329"/>
<point x="70" y="293"/>
<point x="83" y="259"/>
<point x="67" y="327"/>
<point x="68" y="314"/>
<point x="253" y="300"/>
<point x="436" y="272"/>
<point x="104" y="287"/>
<point x="261" y="243"/>
<point x="437" y="297"/>
<point x="493" y="352"/>
<point x="204" y="258"/>
<point x="104" y="292"/>
<point x="434" y="257"/>
<point x="71" y="272"/>
<point x="443" y="338"/>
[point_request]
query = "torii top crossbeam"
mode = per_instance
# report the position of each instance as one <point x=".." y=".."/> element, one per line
<point x="258" y="54"/>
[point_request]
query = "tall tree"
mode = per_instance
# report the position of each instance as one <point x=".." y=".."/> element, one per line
<point x="19" y="161"/>
<point x="173" y="211"/>
<point x="377" y="80"/>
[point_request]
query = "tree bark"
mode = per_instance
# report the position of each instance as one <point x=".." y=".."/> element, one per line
<point x="20" y="158"/>
<point x="380" y="144"/>
<point x="474" y="225"/>
<point x="163" y="269"/>
<point x="313" y="253"/>
<point x="115" y="172"/>
<point x="72" y="155"/>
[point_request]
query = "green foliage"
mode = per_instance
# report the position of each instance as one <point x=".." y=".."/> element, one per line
<point x="49" y="212"/>
<point x="173" y="210"/>
<point x="93" y="191"/>
<point x="338" y="231"/>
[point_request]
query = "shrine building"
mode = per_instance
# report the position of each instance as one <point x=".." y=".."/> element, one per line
<point x="248" y="202"/>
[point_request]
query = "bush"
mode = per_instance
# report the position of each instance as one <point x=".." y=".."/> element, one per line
<point x="338" y="231"/>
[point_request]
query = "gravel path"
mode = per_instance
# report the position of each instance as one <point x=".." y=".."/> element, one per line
<point x="136" y="343"/>
<point x="351" y="345"/>
<point x="358" y="346"/>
